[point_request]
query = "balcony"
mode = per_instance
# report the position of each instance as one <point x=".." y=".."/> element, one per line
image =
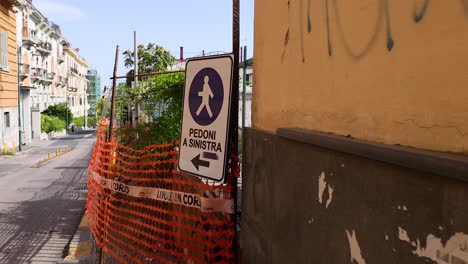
<point x="73" y="89"/>
<point x="75" y="71"/>
<point x="49" y="77"/>
<point x="63" y="81"/>
<point x="44" y="48"/>
<point x="61" y="58"/>
<point x="25" y="71"/>
<point x="29" y="37"/>
<point x="38" y="75"/>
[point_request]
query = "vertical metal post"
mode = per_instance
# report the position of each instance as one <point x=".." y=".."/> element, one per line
<point x="135" y="53"/>
<point x="114" y="87"/>
<point x="244" y="75"/>
<point x="20" y="140"/>
<point x="234" y="122"/>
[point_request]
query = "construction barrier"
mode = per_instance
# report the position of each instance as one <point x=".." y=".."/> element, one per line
<point x="142" y="210"/>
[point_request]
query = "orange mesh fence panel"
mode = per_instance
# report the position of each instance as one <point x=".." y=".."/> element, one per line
<point x="142" y="210"/>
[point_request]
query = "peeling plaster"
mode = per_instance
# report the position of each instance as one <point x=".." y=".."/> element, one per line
<point x="322" y="185"/>
<point x="456" y="246"/>
<point x="330" y="195"/>
<point x="354" y="248"/>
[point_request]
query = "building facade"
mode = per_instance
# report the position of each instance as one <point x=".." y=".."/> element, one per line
<point x="77" y="70"/>
<point x="42" y="73"/>
<point x="248" y="92"/>
<point x="9" y="135"/>
<point x="358" y="146"/>
<point x="94" y="91"/>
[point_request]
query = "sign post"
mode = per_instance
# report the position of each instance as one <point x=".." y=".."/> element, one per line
<point x="205" y="117"/>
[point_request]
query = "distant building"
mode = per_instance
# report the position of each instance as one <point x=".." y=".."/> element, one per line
<point x="77" y="70"/>
<point x="8" y="76"/>
<point x="94" y="91"/>
<point x="248" y="91"/>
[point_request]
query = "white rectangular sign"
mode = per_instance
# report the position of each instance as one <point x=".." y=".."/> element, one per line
<point x="205" y="120"/>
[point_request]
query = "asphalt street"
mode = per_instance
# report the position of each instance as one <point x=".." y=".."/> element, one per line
<point x="41" y="208"/>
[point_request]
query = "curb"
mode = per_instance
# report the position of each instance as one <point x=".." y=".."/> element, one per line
<point x="82" y="248"/>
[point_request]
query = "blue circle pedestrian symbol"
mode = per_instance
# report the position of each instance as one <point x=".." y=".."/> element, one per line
<point x="206" y="96"/>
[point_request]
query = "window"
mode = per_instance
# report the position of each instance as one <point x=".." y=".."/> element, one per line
<point x="3" y="51"/>
<point x="249" y="78"/>
<point x="6" y="118"/>
<point x="81" y="101"/>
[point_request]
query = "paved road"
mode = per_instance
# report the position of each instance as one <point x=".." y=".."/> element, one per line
<point x="40" y="208"/>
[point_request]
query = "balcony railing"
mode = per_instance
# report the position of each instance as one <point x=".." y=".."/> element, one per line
<point x="29" y="36"/>
<point x="74" y="70"/>
<point x="50" y="75"/>
<point x="25" y="71"/>
<point x="44" y="47"/>
<point x="38" y="75"/>
<point x="61" y="58"/>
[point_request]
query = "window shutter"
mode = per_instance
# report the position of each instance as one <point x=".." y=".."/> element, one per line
<point x="3" y="50"/>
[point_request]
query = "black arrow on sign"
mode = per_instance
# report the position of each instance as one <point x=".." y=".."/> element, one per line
<point x="197" y="162"/>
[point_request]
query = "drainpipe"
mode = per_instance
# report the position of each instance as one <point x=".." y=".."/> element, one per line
<point x="20" y="140"/>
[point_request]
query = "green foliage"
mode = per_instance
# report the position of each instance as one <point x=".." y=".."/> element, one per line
<point x="60" y="111"/>
<point x="152" y="58"/>
<point x="157" y="91"/>
<point x="92" y="121"/>
<point x="51" y="124"/>
<point x="78" y="121"/>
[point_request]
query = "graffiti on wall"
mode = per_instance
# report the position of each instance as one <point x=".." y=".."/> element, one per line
<point x="334" y="8"/>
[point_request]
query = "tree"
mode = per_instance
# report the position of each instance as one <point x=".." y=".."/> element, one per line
<point x="51" y="124"/>
<point x="59" y="110"/>
<point x="152" y="58"/>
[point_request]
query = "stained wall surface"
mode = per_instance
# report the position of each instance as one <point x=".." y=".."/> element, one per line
<point x="385" y="71"/>
<point x="306" y="204"/>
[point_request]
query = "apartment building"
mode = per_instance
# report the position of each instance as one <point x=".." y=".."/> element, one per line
<point x="44" y="71"/>
<point x="8" y="76"/>
<point x="40" y="43"/>
<point x="94" y="91"/>
<point x="77" y="70"/>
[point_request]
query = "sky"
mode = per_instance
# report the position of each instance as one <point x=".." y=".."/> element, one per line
<point x="97" y="26"/>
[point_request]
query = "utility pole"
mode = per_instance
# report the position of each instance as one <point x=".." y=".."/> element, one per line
<point x="135" y="82"/>
<point x="234" y="122"/>
<point x="114" y="87"/>
<point x="244" y="76"/>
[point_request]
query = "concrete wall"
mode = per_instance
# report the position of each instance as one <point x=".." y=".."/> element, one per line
<point x="386" y="71"/>
<point x="9" y="135"/>
<point x="306" y="204"/>
<point x="374" y="72"/>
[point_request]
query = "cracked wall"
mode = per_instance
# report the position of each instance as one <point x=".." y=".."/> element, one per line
<point x="379" y="70"/>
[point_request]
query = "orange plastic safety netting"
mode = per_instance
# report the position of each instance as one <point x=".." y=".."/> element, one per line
<point x="142" y="210"/>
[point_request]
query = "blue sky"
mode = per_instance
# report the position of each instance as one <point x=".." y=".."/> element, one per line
<point x="96" y="27"/>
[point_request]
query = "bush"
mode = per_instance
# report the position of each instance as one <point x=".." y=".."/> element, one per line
<point x="60" y="111"/>
<point x="92" y="122"/>
<point x="51" y="124"/>
<point x="78" y="121"/>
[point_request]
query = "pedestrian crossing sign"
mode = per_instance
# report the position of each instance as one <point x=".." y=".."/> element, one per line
<point x="205" y="116"/>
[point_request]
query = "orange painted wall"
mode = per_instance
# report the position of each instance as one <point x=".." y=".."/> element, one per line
<point x="9" y="79"/>
<point x="386" y="71"/>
